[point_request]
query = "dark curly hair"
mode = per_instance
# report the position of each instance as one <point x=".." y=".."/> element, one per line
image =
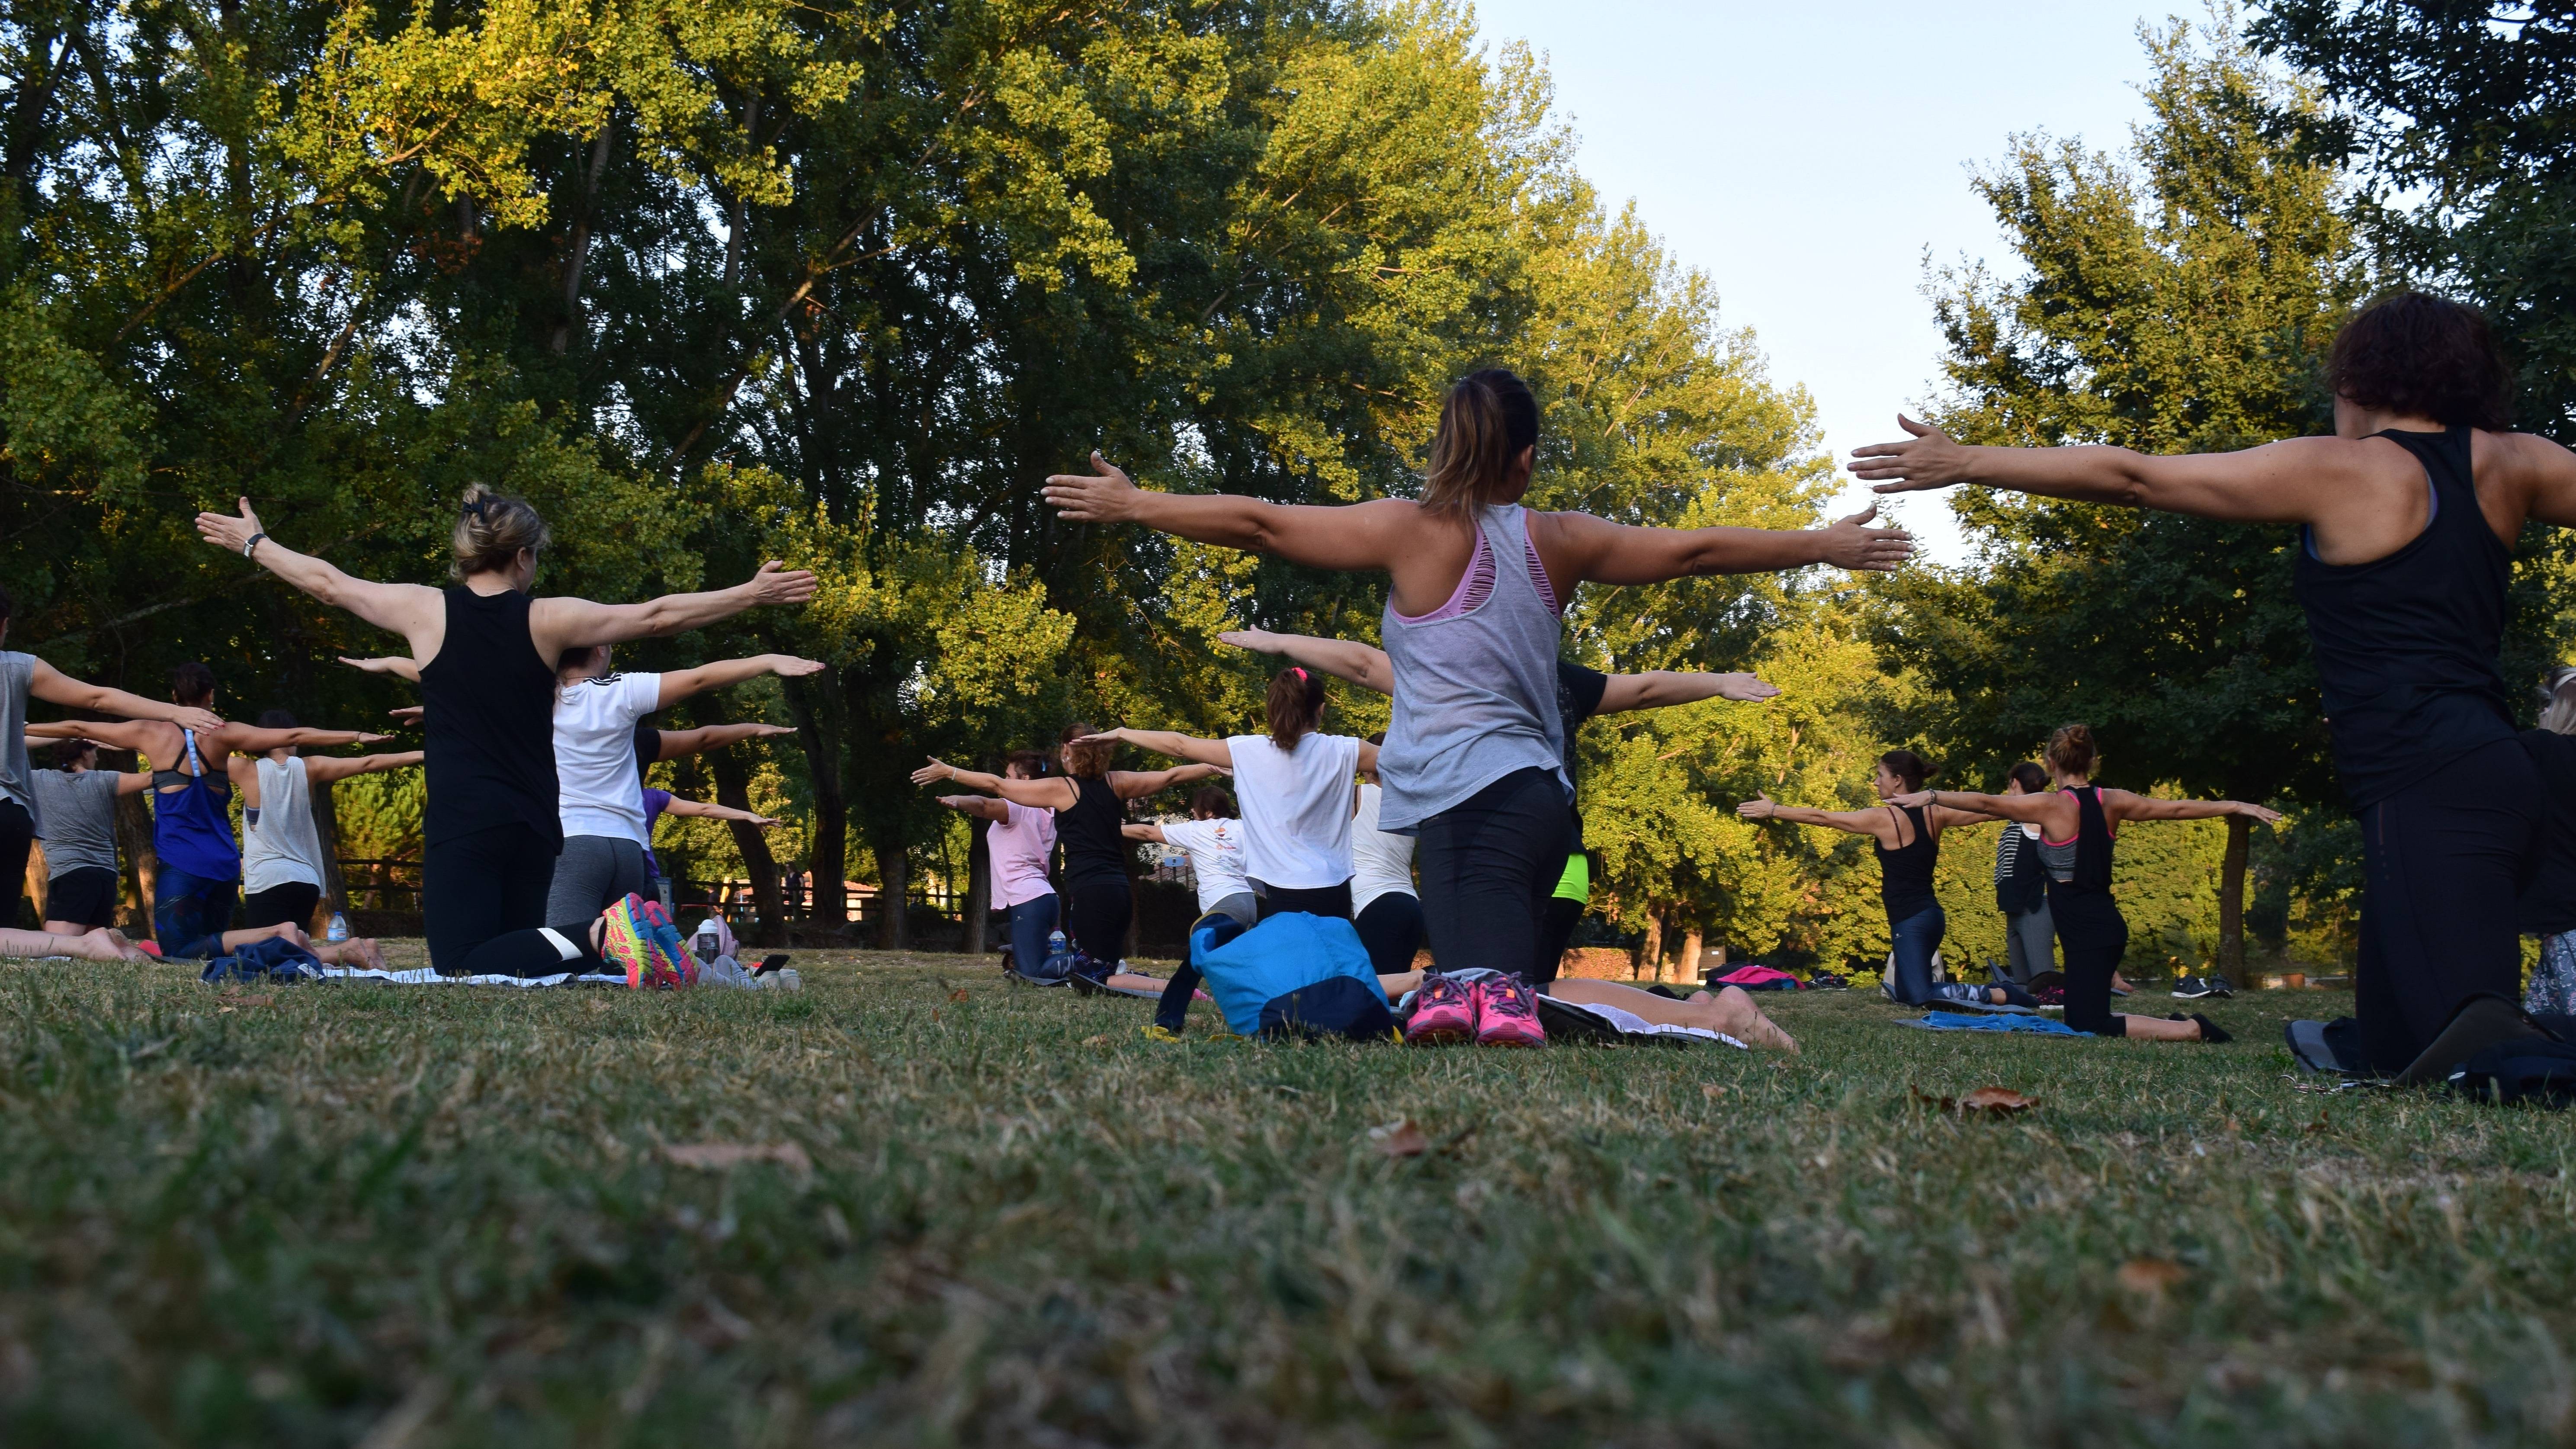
<point x="2423" y="356"/>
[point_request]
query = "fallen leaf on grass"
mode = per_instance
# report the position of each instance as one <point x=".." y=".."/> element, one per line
<point x="717" y="1156"/>
<point x="957" y="995"/>
<point x="2151" y="1275"/>
<point x="1711" y="1090"/>
<point x="1983" y="1099"/>
<point x="1399" y="1139"/>
<point x="1095" y="1041"/>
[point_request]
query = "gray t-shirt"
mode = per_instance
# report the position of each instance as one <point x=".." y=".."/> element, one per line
<point x="79" y="815"/>
<point x="17" y="675"/>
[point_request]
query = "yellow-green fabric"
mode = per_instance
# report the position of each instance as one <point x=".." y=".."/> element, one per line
<point x="1576" y="883"/>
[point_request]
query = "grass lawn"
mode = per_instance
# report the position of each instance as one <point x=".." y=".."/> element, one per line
<point x="431" y="1216"/>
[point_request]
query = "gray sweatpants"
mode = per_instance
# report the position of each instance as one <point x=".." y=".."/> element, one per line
<point x="593" y="873"/>
<point x="2030" y="943"/>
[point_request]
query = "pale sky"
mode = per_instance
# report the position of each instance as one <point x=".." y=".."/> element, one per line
<point x="1806" y="156"/>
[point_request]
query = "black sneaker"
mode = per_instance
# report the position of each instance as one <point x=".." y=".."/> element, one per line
<point x="2219" y="986"/>
<point x="2193" y="988"/>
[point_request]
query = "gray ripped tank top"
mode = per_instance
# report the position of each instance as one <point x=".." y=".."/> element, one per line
<point x="1475" y="681"/>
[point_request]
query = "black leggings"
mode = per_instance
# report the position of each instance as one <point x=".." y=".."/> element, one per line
<point x="275" y="906"/>
<point x="2442" y="861"/>
<point x="483" y="897"/>
<point x="17" y="842"/>
<point x="1557" y="933"/>
<point x="2094" y="935"/>
<point x="1488" y="866"/>
<point x="1391" y="929"/>
<point x="1334" y="900"/>
<point x="1101" y="907"/>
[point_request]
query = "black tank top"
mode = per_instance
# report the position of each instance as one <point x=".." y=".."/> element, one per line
<point x="2091" y="872"/>
<point x="1093" y="848"/>
<point x="489" y="733"/>
<point x="2406" y="646"/>
<point x="1905" y="873"/>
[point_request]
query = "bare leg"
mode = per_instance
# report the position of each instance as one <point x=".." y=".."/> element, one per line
<point x="1395" y="986"/>
<point x="2156" y="1028"/>
<point x="357" y="951"/>
<point x="283" y="930"/>
<point x="98" y="945"/>
<point x="1729" y="1010"/>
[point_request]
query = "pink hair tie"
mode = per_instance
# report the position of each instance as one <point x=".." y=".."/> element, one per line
<point x="1300" y="673"/>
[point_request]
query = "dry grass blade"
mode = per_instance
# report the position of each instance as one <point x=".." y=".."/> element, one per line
<point x="2151" y="1275"/>
<point x="718" y="1156"/>
<point x="1399" y="1139"/>
<point x="1997" y="1100"/>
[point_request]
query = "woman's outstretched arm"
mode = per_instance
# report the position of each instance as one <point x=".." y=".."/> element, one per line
<point x="412" y="610"/>
<point x="1347" y="660"/>
<point x="679" y="684"/>
<point x="1872" y="823"/>
<point x="323" y="769"/>
<point x="982" y="807"/>
<point x="1151" y="833"/>
<point x="1173" y="743"/>
<point x="1138" y="784"/>
<point x="1054" y="793"/>
<point x="400" y="666"/>
<point x="2128" y="806"/>
<point x="676" y="743"/>
<point x="1662" y="688"/>
<point x="2285" y="482"/>
<point x="709" y="810"/>
<point x="1578" y="546"/>
<point x="55" y="687"/>
<point x="1345" y="537"/>
<point x="2033" y="809"/>
<point x="562" y="623"/>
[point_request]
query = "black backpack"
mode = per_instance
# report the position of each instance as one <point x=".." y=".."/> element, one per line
<point x="2530" y="1069"/>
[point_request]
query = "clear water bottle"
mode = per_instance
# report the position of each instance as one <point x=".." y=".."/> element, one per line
<point x="339" y="928"/>
<point x="1055" y="945"/>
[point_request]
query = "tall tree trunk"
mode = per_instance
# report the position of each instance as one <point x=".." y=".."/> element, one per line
<point x="740" y="215"/>
<point x="326" y="833"/>
<point x="979" y="887"/>
<point x="894" y="887"/>
<point x="821" y="724"/>
<point x="1650" y="952"/>
<point x="143" y="868"/>
<point x="577" y="250"/>
<point x="1689" y="970"/>
<point x="733" y="787"/>
<point x="2231" y="900"/>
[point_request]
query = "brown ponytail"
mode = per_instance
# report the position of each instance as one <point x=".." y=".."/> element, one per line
<point x="491" y="528"/>
<point x="2070" y="750"/>
<point x="1086" y="761"/>
<point x="1487" y="419"/>
<point x="1295" y="706"/>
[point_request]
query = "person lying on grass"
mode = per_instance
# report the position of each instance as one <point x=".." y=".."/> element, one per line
<point x="104" y="944"/>
<point x="1729" y="1010"/>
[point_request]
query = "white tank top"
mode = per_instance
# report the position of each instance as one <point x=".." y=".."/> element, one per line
<point x="1381" y="864"/>
<point x="282" y="849"/>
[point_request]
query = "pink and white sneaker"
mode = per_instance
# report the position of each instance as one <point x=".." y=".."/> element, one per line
<point x="1444" y="1010"/>
<point x="1507" y="1013"/>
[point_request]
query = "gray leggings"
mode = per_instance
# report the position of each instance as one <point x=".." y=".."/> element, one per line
<point x="593" y="873"/>
<point x="2030" y="944"/>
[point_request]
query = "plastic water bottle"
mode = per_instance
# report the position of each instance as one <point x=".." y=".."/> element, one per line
<point x="339" y="928"/>
<point x="1055" y="945"/>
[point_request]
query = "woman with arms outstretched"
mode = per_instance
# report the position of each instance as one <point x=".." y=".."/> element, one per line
<point x="1472" y="764"/>
<point x="1907" y="840"/>
<point x="2078" y="822"/>
<point x="487" y="655"/>
<point x="1090" y="804"/>
<point x="2407" y="515"/>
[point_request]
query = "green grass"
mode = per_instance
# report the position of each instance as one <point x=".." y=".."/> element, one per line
<point x="443" y="1216"/>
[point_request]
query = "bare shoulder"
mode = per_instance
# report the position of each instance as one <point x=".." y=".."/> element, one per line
<point x="2522" y="459"/>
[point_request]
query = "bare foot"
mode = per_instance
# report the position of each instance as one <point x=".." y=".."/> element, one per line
<point x="1738" y="1017"/>
<point x="356" y="952"/>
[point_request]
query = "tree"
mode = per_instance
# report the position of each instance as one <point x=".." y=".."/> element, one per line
<point x="2176" y="301"/>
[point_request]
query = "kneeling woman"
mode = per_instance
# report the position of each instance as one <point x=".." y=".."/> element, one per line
<point x="2077" y="824"/>
<point x="1295" y="785"/>
<point x="1907" y="836"/>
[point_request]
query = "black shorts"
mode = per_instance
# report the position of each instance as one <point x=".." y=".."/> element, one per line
<point x="84" y="897"/>
<point x="293" y="901"/>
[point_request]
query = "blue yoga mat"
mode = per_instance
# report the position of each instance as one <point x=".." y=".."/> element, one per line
<point x="1960" y="1021"/>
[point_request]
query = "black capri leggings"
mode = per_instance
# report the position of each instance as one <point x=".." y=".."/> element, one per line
<point x="2094" y="935"/>
<point x="1488" y="864"/>
<point x="1331" y="900"/>
<point x="1391" y="930"/>
<point x="2441" y="864"/>
<point x="1101" y="908"/>
<point x="484" y="899"/>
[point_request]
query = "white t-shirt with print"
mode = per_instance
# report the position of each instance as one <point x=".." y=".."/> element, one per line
<point x="597" y="788"/>
<point x="1216" y="857"/>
